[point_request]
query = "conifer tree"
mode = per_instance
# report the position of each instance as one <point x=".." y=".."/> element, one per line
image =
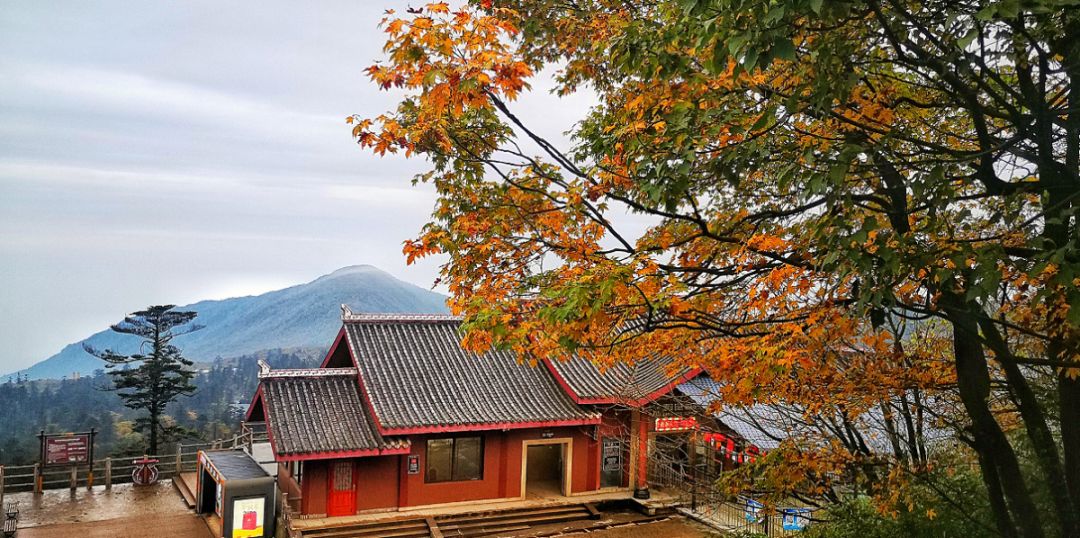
<point x="156" y="376"/>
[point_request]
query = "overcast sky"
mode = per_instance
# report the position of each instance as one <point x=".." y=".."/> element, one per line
<point x="168" y="152"/>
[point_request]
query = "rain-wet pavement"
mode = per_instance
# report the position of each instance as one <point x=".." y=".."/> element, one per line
<point x="81" y="505"/>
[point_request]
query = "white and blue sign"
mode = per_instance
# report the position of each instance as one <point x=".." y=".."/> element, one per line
<point x="795" y="519"/>
<point x="753" y="511"/>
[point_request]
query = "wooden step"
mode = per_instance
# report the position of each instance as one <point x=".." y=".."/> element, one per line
<point x="510" y="513"/>
<point x="489" y="531"/>
<point x="577" y="512"/>
<point x="593" y="512"/>
<point x="525" y="520"/>
<point x="182" y="488"/>
<point x="398" y="529"/>
<point x="378" y="533"/>
<point x="469" y="525"/>
<point x="399" y="520"/>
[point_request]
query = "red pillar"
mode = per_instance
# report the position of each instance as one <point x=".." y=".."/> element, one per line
<point x="641" y="485"/>
<point x="403" y="480"/>
<point x="592" y="481"/>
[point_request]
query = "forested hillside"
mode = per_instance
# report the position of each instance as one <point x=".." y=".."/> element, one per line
<point x="224" y="388"/>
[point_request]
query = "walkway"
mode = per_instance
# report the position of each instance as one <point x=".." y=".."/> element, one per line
<point x="173" y="526"/>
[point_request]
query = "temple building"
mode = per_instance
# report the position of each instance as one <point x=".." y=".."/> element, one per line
<point x="400" y="416"/>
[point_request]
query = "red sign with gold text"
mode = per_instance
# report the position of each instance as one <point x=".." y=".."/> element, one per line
<point x="676" y="424"/>
<point x="67" y="449"/>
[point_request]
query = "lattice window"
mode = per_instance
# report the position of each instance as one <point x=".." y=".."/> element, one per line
<point x="343" y="476"/>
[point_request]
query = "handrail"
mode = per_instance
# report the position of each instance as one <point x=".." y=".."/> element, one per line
<point x="116" y="470"/>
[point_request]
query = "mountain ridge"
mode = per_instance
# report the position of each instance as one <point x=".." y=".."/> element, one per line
<point x="303" y="315"/>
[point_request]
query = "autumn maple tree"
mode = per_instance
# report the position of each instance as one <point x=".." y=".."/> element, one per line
<point x="852" y="206"/>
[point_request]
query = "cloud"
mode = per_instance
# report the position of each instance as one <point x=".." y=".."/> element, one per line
<point x="151" y="151"/>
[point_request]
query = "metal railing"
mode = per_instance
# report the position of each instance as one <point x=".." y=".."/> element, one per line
<point x="701" y="500"/>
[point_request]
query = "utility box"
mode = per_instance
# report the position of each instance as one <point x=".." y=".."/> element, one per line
<point x="235" y="495"/>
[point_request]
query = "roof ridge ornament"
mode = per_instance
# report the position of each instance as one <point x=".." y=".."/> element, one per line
<point x="348" y="315"/>
<point x="305" y="372"/>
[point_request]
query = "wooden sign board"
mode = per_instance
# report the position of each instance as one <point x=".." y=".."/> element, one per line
<point x="66" y="449"/>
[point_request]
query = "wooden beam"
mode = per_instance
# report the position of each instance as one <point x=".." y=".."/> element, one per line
<point x="433" y="528"/>
<point x="593" y="512"/>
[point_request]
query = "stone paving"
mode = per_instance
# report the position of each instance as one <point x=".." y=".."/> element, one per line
<point x="82" y="505"/>
<point x="151" y="525"/>
<point x="159" y="510"/>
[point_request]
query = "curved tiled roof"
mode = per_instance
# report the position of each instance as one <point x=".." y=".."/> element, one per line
<point x="633" y="384"/>
<point x="766" y="425"/>
<point x="320" y="413"/>
<point x="418" y="378"/>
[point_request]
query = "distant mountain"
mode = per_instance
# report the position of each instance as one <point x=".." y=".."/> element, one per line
<point x="300" y="316"/>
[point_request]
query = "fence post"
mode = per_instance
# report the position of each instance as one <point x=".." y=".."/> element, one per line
<point x="90" y="476"/>
<point x="108" y="473"/>
<point x="74" y="477"/>
<point x="179" y="459"/>
<point x="1" y="485"/>
<point x="286" y="518"/>
<point x="38" y="486"/>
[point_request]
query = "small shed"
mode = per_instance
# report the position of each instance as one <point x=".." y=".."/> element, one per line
<point x="235" y="494"/>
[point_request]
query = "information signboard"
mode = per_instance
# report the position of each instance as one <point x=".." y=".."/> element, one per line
<point x="67" y="449"/>
<point x="795" y="519"/>
<point x="612" y="455"/>
<point x="754" y="511"/>
<point x="248" y="517"/>
<point x="611" y="463"/>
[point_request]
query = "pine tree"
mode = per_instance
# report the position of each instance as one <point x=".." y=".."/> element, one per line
<point x="150" y="381"/>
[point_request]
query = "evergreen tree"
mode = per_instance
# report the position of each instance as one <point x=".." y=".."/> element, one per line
<point x="150" y="381"/>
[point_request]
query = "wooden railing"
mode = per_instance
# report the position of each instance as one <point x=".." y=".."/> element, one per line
<point x="109" y="471"/>
<point x="285" y="515"/>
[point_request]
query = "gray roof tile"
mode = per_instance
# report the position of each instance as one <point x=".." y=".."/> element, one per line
<point x="320" y="411"/>
<point x="419" y="378"/>
<point x="619" y="383"/>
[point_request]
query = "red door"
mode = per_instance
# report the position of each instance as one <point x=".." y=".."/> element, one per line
<point x="342" y="500"/>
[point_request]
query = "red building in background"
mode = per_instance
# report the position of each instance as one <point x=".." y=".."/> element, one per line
<point x="400" y="416"/>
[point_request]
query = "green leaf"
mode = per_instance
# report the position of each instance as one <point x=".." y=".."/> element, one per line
<point x="838" y="172"/>
<point x="765" y="118"/>
<point x="775" y="15"/>
<point x="986" y="13"/>
<point x="719" y="58"/>
<point x="736" y="43"/>
<point x="750" y="59"/>
<point x="784" y="49"/>
<point x="963" y="42"/>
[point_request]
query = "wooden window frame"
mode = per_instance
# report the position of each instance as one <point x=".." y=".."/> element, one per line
<point x="453" y="459"/>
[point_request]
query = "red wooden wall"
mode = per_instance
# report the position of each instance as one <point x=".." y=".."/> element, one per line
<point x="384" y="483"/>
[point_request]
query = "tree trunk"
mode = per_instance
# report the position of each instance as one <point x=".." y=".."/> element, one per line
<point x="154" y="433"/>
<point x="1069" y="389"/>
<point x="993" y="448"/>
<point x="1069" y="394"/>
<point x="1042" y="439"/>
